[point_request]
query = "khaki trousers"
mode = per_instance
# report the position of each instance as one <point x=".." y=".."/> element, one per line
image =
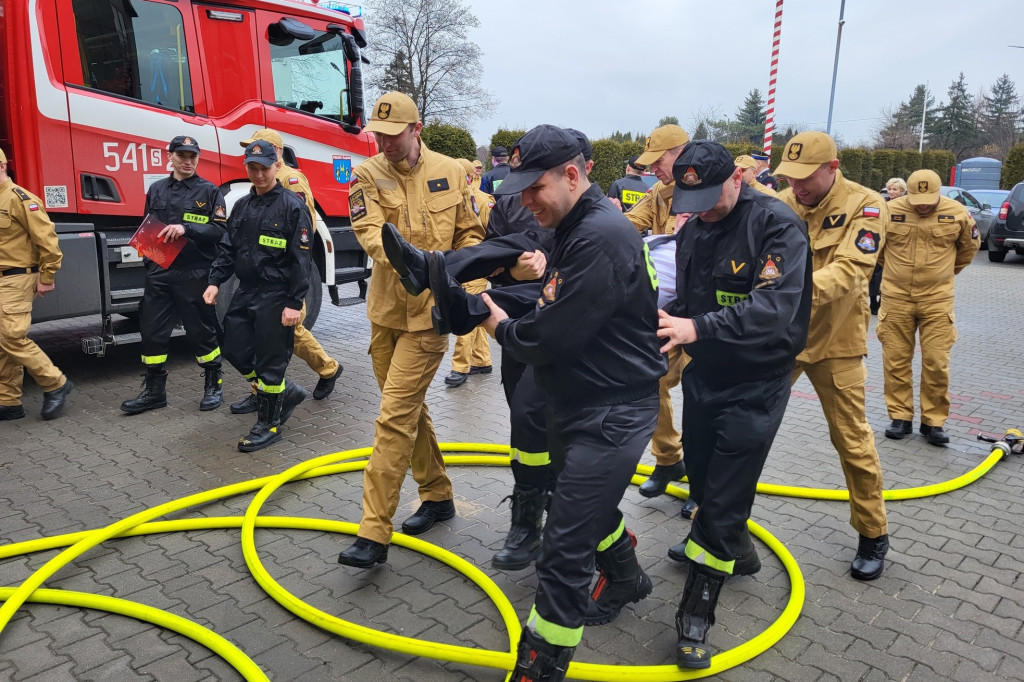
<point x="17" y="351"/>
<point x="898" y="321"/>
<point x="309" y="350"/>
<point x="473" y="349"/>
<point x="667" y="443"/>
<point x="839" y="383"/>
<point x="404" y="364"/>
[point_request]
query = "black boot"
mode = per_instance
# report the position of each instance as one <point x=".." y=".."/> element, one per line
<point x="689" y="509"/>
<point x="408" y="261"/>
<point x="212" y="393"/>
<point x="747" y="563"/>
<point x="522" y="545"/>
<point x="246" y="405"/>
<point x="267" y="428"/>
<point x="696" y="615"/>
<point x="620" y="581"/>
<point x="154" y="393"/>
<point x="661" y="477"/>
<point x="870" y="559"/>
<point x="290" y="399"/>
<point x="538" y="661"/>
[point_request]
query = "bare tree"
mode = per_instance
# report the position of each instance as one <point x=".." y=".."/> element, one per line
<point x="422" y="48"/>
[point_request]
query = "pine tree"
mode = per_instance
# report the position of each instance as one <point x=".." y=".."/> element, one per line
<point x="956" y="127"/>
<point x="668" y="120"/>
<point x="751" y="116"/>
<point x="398" y="76"/>
<point x="701" y="132"/>
<point x="1001" y="116"/>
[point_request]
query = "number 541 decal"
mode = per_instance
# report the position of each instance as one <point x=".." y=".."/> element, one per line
<point x="138" y="156"/>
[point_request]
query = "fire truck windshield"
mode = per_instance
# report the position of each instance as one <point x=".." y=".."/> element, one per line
<point x="309" y="76"/>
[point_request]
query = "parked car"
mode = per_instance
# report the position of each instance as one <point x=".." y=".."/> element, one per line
<point x="982" y="213"/>
<point x="1008" y="231"/>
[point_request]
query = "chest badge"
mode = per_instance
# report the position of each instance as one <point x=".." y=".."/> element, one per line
<point x="438" y="185"/>
<point x="736" y="268"/>
<point x="200" y="204"/>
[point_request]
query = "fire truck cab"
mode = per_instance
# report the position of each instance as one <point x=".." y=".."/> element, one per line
<point x="91" y="91"/>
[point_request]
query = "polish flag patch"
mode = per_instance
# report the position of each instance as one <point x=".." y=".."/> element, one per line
<point x="33" y="207"/>
<point x="871" y="212"/>
<point x="293" y="181"/>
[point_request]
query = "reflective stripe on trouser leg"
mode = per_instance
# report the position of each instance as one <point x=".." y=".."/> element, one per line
<point x="552" y="633"/>
<point x="839" y="383"/>
<point x="530" y="459"/>
<point x="599" y="448"/>
<point x="209" y="357"/>
<point x="938" y="334"/>
<point x="270" y="388"/>
<point x="897" y="325"/>
<point x="404" y="363"/>
<point x="150" y="360"/>
<point x="699" y="555"/>
<point x="667" y="443"/>
<point x="612" y="537"/>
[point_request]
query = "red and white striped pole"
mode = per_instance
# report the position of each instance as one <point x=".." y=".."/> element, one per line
<point x="773" y="78"/>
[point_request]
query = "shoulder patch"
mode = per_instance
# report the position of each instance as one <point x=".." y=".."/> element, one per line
<point x="897" y="217"/>
<point x="353" y="181"/>
<point x="22" y="194"/>
<point x="833" y="221"/>
<point x="550" y="291"/>
<point x="220" y="211"/>
<point x="867" y="241"/>
<point x="356" y="205"/>
<point x="293" y="180"/>
<point x="872" y="212"/>
<point x="438" y="185"/>
<point x="947" y="218"/>
<point x="771" y="268"/>
<point x="476" y="209"/>
<point x="975" y="234"/>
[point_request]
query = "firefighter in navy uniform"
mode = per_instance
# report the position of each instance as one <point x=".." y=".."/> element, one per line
<point x="590" y="335"/>
<point x="192" y="209"/>
<point x="628" y="190"/>
<point x="762" y="173"/>
<point x="743" y="284"/>
<point x="492" y="179"/>
<point x="267" y="247"/>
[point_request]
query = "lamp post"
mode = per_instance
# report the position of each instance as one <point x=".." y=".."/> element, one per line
<point x="835" y="66"/>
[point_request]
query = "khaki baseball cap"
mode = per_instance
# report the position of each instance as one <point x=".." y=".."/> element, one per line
<point x="267" y="135"/>
<point x="467" y="165"/>
<point x="660" y="141"/>
<point x="805" y="153"/>
<point x="392" y="113"/>
<point x="477" y="164"/>
<point x="923" y="188"/>
<point x="3" y="157"/>
<point x="746" y="161"/>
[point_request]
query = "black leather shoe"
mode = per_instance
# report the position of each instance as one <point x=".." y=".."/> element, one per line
<point x="456" y="379"/>
<point x="53" y="401"/>
<point x="363" y="554"/>
<point x="481" y="369"/>
<point x="246" y="405"/>
<point x="689" y="509"/>
<point x="427" y="515"/>
<point x="898" y="429"/>
<point x="409" y="262"/>
<point x="934" y="434"/>
<point x="870" y="559"/>
<point x="661" y="477"/>
<point x="325" y="387"/>
<point x="11" y="412"/>
<point x="438" y="275"/>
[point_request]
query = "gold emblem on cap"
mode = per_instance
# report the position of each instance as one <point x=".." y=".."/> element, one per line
<point x="515" y="160"/>
<point x="383" y="111"/>
<point x="922" y="187"/>
<point x="256" y="149"/>
<point x="188" y="141"/>
<point x="793" y="153"/>
<point x="647" y="145"/>
<point x="690" y="177"/>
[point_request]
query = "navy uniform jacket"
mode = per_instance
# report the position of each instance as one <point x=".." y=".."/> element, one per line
<point x="197" y="205"/>
<point x="747" y="282"/>
<point x="492" y="178"/>
<point x="267" y="245"/>
<point x="629" y="190"/>
<point x="766" y="178"/>
<point x="592" y="338"/>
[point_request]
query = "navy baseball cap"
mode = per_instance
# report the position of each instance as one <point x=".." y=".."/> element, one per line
<point x="499" y="151"/>
<point x="699" y="172"/>
<point x="586" y="148"/>
<point x="183" y="143"/>
<point x="537" y="152"/>
<point x="634" y="165"/>
<point x="261" y="152"/>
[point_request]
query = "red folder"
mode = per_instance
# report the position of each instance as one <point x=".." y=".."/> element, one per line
<point x="147" y="243"/>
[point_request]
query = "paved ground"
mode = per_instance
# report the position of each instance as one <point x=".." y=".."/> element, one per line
<point x="950" y="605"/>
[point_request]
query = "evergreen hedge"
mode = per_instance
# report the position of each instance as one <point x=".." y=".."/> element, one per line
<point x="1013" y="167"/>
<point x="449" y="140"/>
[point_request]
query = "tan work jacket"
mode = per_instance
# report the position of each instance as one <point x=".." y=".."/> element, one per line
<point x="923" y="253"/>
<point x="847" y="229"/>
<point x="653" y="211"/>
<point x="295" y="180"/>
<point x="27" y="235"/>
<point x="431" y="206"/>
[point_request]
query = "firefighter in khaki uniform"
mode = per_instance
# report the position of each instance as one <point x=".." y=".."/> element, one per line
<point x="425" y="195"/>
<point x="749" y="166"/>
<point x="307" y="348"/>
<point x="29" y="258"/>
<point x="846" y="225"/>
<point x="929" y="239"/>
<point x="473" y="351"/>
<point x="653" y="213"/>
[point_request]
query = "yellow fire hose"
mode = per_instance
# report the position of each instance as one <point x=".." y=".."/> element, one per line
<point x="143" y="523"/>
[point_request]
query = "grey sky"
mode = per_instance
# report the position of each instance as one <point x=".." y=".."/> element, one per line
<point x="602" y="66"/>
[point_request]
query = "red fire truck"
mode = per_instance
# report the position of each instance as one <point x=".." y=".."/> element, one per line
<point x="92" y="90"/>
